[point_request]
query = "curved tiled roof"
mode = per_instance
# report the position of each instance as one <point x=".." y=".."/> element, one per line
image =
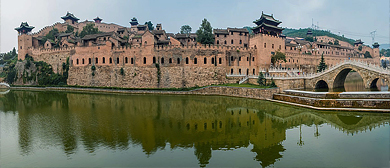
<point x="70" y="16"/>
<point x="24" y="25"/>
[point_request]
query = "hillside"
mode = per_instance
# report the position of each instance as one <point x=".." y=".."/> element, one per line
<point x="302" y="33"/>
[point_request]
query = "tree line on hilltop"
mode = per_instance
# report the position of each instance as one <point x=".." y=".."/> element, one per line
<point x="302" y="33"/>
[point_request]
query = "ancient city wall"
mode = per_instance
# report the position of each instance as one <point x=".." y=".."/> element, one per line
<point x="54" y="57"/>
<point x="147" y="77"/>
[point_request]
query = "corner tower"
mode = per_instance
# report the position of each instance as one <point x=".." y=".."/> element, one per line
<point x="24" y="39"/>
<point x="375" y="50"/>
<point x="267" y="40"/>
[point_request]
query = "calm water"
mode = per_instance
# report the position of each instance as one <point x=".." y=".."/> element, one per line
<point x="59" y="129"/>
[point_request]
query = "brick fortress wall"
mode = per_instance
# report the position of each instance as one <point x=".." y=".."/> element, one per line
<point x="178" y="66"/>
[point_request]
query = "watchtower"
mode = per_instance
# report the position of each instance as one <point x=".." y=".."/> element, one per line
<point x="24" y="39"/>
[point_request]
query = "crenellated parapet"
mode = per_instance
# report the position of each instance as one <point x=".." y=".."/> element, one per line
<point x="203" y="47"/>
<point x="46" y="29"/>
<point x="265" y="35"/>
<point x="39" y="51"/>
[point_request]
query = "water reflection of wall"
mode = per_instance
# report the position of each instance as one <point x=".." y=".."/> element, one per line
<point x="152" y="121"/>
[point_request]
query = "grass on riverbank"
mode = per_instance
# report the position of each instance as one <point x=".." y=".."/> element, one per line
<point x="246" y="85"/>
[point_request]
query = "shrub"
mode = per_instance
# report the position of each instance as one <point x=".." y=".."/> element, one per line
<point x="122" y="72"/>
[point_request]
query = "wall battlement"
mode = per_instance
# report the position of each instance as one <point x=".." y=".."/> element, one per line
<point x="39" y="51"/>
<point x="263" y="35"/>
<point x="45" y="28"/>
<point x="204" y="47"/>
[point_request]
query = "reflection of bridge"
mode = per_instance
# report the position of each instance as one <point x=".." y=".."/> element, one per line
<point x="333" y="77"/>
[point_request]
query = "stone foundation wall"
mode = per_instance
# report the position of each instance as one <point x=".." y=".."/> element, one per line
<point x="283" y="84"/>
<point x="54" y="58"/>
<point x="255" y="93"/>
<point x="147" y="77"/>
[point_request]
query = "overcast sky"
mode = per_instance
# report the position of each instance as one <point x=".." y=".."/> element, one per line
<point x="353" y="18"/>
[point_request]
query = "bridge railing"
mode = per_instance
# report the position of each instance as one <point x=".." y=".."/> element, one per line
<point x="291" y="74"/>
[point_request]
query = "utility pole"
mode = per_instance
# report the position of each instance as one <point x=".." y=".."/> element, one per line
<point x="373" y="36"/>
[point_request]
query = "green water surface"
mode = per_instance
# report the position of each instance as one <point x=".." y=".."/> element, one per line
<point x="63" y="129"/>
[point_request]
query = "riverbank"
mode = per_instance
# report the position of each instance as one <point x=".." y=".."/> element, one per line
<point x="233" y="91"/>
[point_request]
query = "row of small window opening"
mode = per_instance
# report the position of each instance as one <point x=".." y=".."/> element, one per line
<point x="144" y="60"/>
<point x="232" y="42"/>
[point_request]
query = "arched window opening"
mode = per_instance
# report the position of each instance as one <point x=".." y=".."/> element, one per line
<point x="162" y="60"/>
<point x="144" y="60"/>
<point x="96" y="60"/>
<point x="110" y="60"/>
<point x="83" y="60"/>
<point x="117" y="60"/>
<point x="186" y="60"/>
<point x="132" y="60"/>
<point x="104" y="60"/>
<point x="170" y="60"/>
<point x="220" y="60"/>
<point x="154" y="60"/>
<point x="195" y="60"/>
<point x="126" y="60"/>
<point x="178" y="60"/>
<point x="212" y="60"/>
<point x="77" y="61"/>
<point x="89" y="61"/>
<point x="205" y="60"/>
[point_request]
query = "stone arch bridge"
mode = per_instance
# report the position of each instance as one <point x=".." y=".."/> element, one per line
<point x="5" y="84"/>
<point x="333" y="77"/>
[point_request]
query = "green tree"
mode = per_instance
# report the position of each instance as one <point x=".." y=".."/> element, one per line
<point x="309" y="39"/>
<point x="89" y="29"/>
<point x="69" y="29"/>
<point x="205" y="33"/>
<point x="13" y="52"/>
<point x="360" y="48"/>
<point x="50" y="36"/>
<point x="367" y="55"/>
<point x="249" y="30"/>
<point x="330" y="43"/>
<point x="336" y="42"/>
<point x="261" y="79"/>
<point x="277" y="57"/>
<point x="322" y="66"/>
<point x="185" y="29"/>
<point x="150" y="25"/>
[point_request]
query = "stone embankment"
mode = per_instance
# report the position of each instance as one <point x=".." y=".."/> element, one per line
<point x="350" y="101"/>
<point x="254" y="93"/>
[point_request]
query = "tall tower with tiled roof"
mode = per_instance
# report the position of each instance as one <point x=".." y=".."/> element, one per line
<point x="267" y="24"/>
<point x="24" y="39"/>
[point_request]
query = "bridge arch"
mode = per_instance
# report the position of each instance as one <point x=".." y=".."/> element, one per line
<point x="339" y="80"/>
<point x="321" y="84"/>
<point x="373" y="83"/>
